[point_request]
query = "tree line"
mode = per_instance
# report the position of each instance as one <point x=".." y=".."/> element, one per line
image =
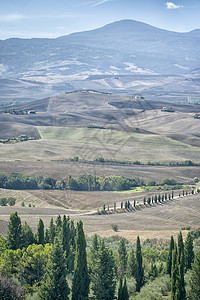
<point x="19" y="181"/>
<point x="55" y="263"/>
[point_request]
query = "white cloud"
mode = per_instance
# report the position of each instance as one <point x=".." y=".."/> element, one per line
<point x="12" y="17"/>
<point x="100" y="2"/>
<point x="171" y="5"/>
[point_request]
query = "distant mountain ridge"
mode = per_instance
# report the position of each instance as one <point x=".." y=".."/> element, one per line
<point x="122" y="48"/>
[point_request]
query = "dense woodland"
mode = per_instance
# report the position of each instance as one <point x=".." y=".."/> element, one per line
<point x="56" y="263"/>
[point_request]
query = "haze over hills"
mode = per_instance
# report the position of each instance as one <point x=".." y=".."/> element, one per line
<point x="123" y="57"/>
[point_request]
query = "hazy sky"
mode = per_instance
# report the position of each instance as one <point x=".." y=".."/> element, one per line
<point x="52" y="18"/>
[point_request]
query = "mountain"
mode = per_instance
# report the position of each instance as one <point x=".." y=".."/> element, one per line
<point x="90" y="59"/>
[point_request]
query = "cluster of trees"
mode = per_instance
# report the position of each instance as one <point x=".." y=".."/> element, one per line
<point x="55" y="264"/>
<point x="19" y="181"/>
<point x="7" y="201"/>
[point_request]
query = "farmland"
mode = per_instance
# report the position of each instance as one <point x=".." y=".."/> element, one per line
<point x="120" y="129"/>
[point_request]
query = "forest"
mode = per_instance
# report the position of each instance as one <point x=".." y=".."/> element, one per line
<point x="61" y="262"/>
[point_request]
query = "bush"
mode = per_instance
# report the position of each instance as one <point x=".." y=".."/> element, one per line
<point x="156" y="289"/>
<point x="3" y="201"/>
<point x="8" y="290"/>
<point x="115" y="227"/>
<point x="11" y="201"/>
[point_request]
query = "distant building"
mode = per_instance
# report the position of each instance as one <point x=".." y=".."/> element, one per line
<point x="168" y="109"/>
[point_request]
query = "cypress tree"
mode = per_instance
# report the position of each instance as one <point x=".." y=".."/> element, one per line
<point x="122" y="255"/>
<point x="119" y="297"/>
<point x="159" y="198"/>
<point x="14" y="234"/>
<point x="174" y="273"/>
<point x="52" y="231"/>
<point x="139" y="268"/>
<point x="131" y="264"/>
<point x="71" y="256"/>
<point x="95" y="245"/>
<point x="169" y="258"/>
<point x="46" y="236"/>
<point x="103" y="281"/>
<point x="58" y="224"/>
<point x="177" y="275"/>
<point x="181" y="294"/>
<point x="195" y="278"/>
<point x="189" y="252"/>
<point x="165" y="196"/>
<point x="80" y="282"/>
<point x="40" y="232"/>
<point x="27" y="235"/>
<point x="54" y="284"/>
<point x="66" y="236"/>
<point x="125" y="295"/>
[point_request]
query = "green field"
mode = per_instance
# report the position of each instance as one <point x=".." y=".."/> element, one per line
<point x="123" y="145"/>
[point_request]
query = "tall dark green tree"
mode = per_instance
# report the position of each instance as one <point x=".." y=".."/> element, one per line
<point x="174" y="273"/>
<point x="120" y="288"/>
<point x="54" y="284"/>
<point x="71" y="256"/>
<point x="169" y="258"/>
<point x="58" y="224"/>
<point x="181" y="293"/>
<point x="122" y="257"/>
<point x="139" y="267"/>
<point x="80" y="282"/>
<point x="14" y="234"/>
<point x="189" y="252"/>
<point x="177" y="273"/>
<point x="123" y="290"/>
<point x="52" y="231"/>
<point x="125" y="295"/>
<point x="66" y="235"/>
<point x="40" y="232"/>
<point x="131" y="264"/>
<point x="103" y="277"/>
<point x="27" y="235"/>
<point x="195" y="278"/>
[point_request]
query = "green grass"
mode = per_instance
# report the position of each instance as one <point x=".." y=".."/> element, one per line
<point x="133" y="190"/>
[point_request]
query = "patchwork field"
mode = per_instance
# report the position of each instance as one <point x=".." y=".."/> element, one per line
<point x="89" y="125"/>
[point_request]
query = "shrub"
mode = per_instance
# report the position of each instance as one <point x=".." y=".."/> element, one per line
<point x="115" y="227"/>
<point x="11" y="201"/>
<point x="3" y="201"/>
<point x="156" y="289"/>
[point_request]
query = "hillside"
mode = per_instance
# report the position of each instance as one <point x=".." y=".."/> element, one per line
<point x="137" y="59"/>
<point x="90" y="124"/>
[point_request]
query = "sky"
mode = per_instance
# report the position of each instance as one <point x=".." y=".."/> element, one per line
<point x="53" y="18"/>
